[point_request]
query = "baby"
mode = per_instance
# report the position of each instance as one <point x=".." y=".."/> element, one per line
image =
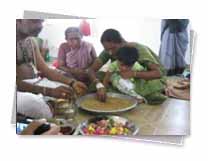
<point x="126" y="61"/>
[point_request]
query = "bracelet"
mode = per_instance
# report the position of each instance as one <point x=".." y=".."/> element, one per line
<point x="99" y="85"/>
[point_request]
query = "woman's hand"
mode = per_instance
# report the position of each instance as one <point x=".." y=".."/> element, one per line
<point x="61" y="92"/>
<point x="101" y="94"/>
<point x="79" y="87"/>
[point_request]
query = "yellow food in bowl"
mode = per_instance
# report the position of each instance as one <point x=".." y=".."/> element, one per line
<point x="112" y="103"/>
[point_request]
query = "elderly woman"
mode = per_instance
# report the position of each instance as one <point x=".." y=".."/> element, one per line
<point x="75" y="55"/>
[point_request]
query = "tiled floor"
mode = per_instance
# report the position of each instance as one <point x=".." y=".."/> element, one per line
<point x="175" y="119"/>
<point x="170" y="118"/>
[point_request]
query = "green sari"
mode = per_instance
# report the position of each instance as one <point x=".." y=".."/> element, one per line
<point x="150" y="89"/>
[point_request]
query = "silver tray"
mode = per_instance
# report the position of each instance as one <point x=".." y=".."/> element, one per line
<point x="134" y="129"/>
<point x="134" y="103"/>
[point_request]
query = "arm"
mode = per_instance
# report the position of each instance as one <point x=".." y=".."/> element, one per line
<point x="152" y="73"/>
<point x="27" y="87"/>
<point x="98" y="63"/>
<point x="93" y="69"/>
<point x="150" y="60"/>
<point x="59" y="92"/>
<point x="106" y="79"/>
<point x="51" y="74"/>
<point x="101" y="92"/>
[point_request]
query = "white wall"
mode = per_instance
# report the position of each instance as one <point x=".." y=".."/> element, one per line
<point x="145" y="31"/>
<point x="53" y="31"/>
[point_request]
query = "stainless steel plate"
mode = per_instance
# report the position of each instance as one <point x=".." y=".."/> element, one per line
<point x="81" y="99"/>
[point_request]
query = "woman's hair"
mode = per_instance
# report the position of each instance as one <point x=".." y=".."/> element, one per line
<point x="127" y="55"/>
<point x="111" y="35"/>
<point x="75" y="30"/>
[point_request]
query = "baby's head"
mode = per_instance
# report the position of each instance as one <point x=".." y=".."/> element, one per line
<point x="127" y="56"/>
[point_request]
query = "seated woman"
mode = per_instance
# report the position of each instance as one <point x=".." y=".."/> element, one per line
<point x="143" y="90"/>
<point x="75" y="55"/>
<point x="112" y="40"/>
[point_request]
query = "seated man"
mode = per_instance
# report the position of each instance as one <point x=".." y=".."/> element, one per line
<point x="28" y="63"/>
<point x="112" y="40"/>
<point x="143" y="90"/>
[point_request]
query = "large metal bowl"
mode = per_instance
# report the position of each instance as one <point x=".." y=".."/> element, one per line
<point x="133" y="128"/>
<point x="133" y="100"/>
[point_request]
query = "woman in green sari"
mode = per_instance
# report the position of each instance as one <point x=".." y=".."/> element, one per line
<point x="112" y="41"/>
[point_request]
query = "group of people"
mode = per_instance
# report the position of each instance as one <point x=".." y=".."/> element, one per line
<point x="134" y="69"/>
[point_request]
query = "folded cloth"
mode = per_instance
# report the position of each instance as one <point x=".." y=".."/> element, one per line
<point x="179" y="89"/>
<point x="32" y="105"/>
